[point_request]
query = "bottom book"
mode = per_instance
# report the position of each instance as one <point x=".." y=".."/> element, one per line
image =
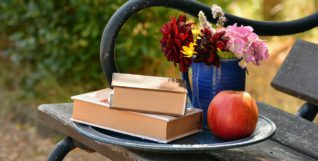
<point x="93" y="109"/>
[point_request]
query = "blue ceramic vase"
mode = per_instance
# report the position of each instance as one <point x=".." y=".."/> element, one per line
<point x="207" y="81"/>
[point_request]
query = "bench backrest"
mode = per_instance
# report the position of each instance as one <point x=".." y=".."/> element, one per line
<point x="111" y="30"/>
<point x="298" y="75"/>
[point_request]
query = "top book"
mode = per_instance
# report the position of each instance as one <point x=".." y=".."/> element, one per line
<point x="148" y="82"/>
<point x="149" y="94"/>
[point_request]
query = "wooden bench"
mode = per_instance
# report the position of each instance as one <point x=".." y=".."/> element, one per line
<point x="298" y="76"/>
<point x="295" y="139"/>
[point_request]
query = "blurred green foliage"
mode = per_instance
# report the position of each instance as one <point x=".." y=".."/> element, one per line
<point x="49" y="50"/>
<point x="59" y="38"/>
<point x="62" y="38"/>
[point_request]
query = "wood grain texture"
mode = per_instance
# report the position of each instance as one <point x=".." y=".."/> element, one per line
<point x="268" y="150"/>
<point x="298" y="74"/>
<point x="293" y="131"/>
<point x="57" y="116"/>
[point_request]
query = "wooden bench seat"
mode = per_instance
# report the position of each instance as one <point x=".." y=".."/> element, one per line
<point x="295" y="140"/>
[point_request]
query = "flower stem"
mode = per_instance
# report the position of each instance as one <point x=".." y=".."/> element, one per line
<point x="226" y="55"/>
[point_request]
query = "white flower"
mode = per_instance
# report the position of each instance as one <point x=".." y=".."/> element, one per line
<point x="204" y="23"/>
<point x="218" y="13"/>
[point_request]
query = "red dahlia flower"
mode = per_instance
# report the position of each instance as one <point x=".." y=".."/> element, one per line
<point x="208" y="45"/>
<point x="175" y="34"/>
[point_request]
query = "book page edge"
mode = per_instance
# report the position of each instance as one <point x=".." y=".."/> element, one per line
<point x="138" y="135"/>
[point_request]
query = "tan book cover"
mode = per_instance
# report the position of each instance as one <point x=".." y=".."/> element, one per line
<point x="149" y="94"/>
<point x="93" y="109"/>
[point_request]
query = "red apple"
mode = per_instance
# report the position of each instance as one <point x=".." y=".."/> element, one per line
<point x="232" y="115"/>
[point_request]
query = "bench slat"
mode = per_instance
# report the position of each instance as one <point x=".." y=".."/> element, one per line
<point x="298" y="74"/>
<point x="293" y="131"/>
<point x="57" y="116"/>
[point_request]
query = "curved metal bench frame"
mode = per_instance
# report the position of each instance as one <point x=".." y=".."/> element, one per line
<point x="115" y="23"/>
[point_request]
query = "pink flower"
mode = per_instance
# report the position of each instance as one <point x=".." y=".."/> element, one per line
<point x="256" y="51"/>
<point x="238" y="38"/>
<point x="245" y="44"/>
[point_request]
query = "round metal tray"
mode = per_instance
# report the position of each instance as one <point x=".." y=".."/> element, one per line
<point x="202" y="141"/>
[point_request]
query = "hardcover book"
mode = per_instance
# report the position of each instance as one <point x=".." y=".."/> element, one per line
<point x="93" y="109"/>
<point x="149" y="94"/>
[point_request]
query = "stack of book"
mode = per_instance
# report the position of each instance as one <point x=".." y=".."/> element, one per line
<point x="147" y="107"/>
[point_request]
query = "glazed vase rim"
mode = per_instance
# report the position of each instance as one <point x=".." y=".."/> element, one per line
<point x="223" y="60"/>
<point x="233" y="59"/>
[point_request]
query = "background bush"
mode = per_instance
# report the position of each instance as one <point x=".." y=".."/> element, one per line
<point x="62" y="38"/>
<point x="59" y="38"/>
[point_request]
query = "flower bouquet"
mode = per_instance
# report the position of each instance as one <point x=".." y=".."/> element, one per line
<point x="218" y="56"/>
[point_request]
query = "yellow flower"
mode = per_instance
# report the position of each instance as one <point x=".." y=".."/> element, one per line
<point x="189" y="51"/>
<point x="196" y="33"/>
